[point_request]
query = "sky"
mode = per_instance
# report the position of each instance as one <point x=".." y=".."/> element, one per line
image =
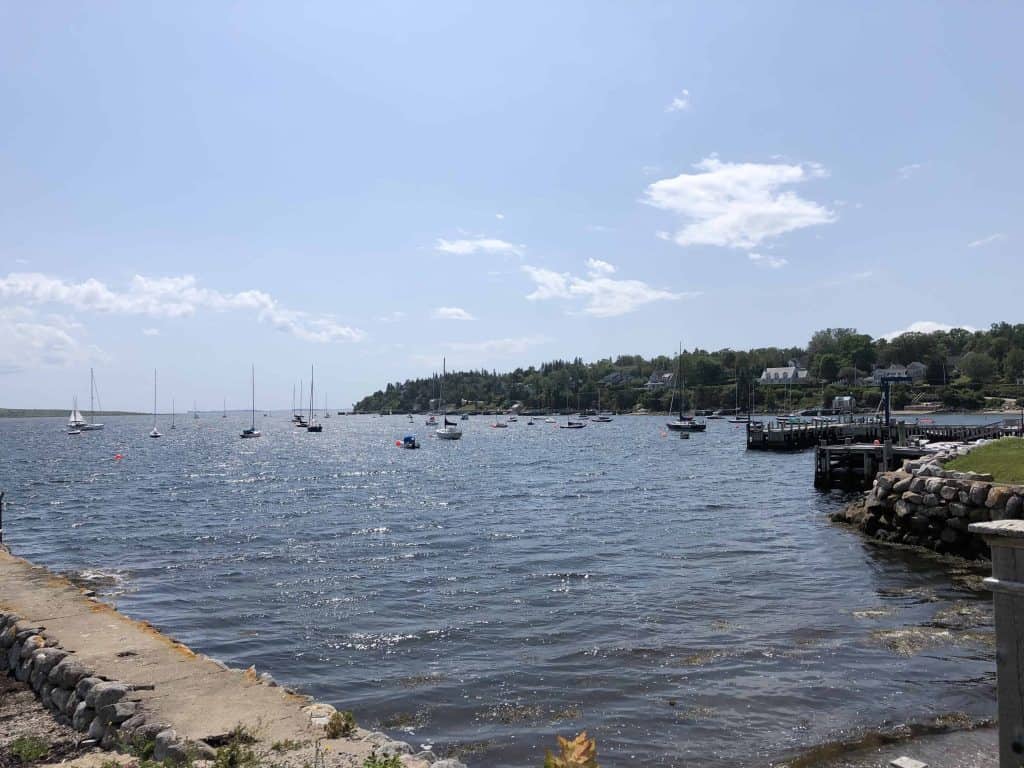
<point x="368" y="188"/>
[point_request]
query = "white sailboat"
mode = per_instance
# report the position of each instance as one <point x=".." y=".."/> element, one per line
<point x="327" y="413"/>
<point x="449" y="429"/>
<point x="252" y="431"/>
<point x="75" y="420"/>
<point x="154" y="432"/>
<point x="91" y="425"/>
<point x="195" y="410"/>
<point x="172" y="413"/>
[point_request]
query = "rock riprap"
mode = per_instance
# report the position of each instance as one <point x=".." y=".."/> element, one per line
<point x="923" y="504"/>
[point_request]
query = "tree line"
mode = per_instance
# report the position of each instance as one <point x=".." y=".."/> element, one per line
<point x="961" y="368"/>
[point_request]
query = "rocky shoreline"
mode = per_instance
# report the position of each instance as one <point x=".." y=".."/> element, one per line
<point x="112" y="682"/>
<point x="923" y="504"/>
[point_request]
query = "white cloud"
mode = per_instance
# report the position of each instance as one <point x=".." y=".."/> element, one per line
<point x="906" y="171"/>
<point x="452" y="313"/>
<point x="738" y="205"/>
<point x="171" y="297"/>
<point x="392" y="317"/>
<point x="771" y="262"/>
<point x="600" y="267"/>
<point x="469" y="246"/>
<point x="499" y="216"/>
<point x="925" y="326"/>
<point x="599" y="228"/>
<point x="680" y="103"/>
<point x="150" y="331"/>
<point x="987" y="240"/>
<point x="604" y="296"/>
<point x="29" y="341"/>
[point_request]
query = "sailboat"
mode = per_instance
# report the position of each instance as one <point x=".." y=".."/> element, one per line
<point x="569" y="423"/>
<point x="327" y="413"/>
<point x="312" y="426"/>
<point x="172" y="413"/>
<point x="449" y="429"/>
<point x="683" y="423"/>
<point x="91" y="425"/>
<point x="195" y="410"/>
<point x="252" y="431"/>
<point x="75" y="420"/>
<point x="736" y="418"/>
<point x="297" y="418"/>
<point x="601" y="416"/>
<point x="154" y="432"/>
<point x="224" y="415"/>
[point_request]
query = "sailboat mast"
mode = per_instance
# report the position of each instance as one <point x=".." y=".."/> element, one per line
<point x="311" y="394"/>
<point x="254" y="396"/>
<point x="679" y="379"/>
<point x="92" y="387"/>
<point x="154" y="398"/>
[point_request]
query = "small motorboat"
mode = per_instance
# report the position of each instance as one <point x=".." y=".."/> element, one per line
<point x="530" y="423"/>
<point x="513" y="418"/>
<point x="684" y="435"/>
<point x="572" y="425"/>
<point x="314" y="427"/>
<point x="499" y="425"/>
<point x="409" y="441"/>
<point x="602" y="419"/>
<point x="464" y="417"/>
<point x="549" y="420"/>
<point x="74" y="431"/>
<point x="431" y="421"/>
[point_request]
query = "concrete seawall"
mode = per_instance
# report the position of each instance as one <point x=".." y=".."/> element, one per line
<point x="121" y="681"/>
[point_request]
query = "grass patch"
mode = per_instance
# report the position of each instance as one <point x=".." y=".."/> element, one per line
<point x="1003" y="459"/>
<point x="28" y="749"/>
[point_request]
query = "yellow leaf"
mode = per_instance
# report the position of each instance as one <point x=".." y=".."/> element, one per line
<point x="580" y="752"/>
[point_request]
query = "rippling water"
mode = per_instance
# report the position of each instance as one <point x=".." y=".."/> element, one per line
<point x="686" y="602"/>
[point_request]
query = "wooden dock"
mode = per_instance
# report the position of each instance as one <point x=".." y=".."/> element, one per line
<point x="854" y="466"/>
<point x="781" y="436"/>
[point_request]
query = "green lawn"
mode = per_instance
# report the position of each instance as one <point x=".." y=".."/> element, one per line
<point x="1003" y="459"/>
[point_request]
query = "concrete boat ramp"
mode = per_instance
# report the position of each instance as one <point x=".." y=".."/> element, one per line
<point x="119" y="679"/>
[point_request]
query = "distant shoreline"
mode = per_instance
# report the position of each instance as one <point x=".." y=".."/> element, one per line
<point x="30" y="413"/>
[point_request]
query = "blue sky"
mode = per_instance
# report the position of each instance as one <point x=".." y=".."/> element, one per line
<point x="372" y="186"/>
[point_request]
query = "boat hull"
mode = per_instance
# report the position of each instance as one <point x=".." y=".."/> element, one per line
<point x="686" y="426"/>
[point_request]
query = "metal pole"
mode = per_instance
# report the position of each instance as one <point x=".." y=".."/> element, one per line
<point x="1" y="518"/>
<point x="1006" y="538"/>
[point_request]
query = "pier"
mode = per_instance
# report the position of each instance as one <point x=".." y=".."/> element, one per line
<point x="854" y="465"/>
<point x="781" y="436"/>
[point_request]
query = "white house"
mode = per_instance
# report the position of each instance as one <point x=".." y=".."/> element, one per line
<point x="785" y="374"/>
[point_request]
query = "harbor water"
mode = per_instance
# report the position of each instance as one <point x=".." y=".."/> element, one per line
<point x="685" y="601"/>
